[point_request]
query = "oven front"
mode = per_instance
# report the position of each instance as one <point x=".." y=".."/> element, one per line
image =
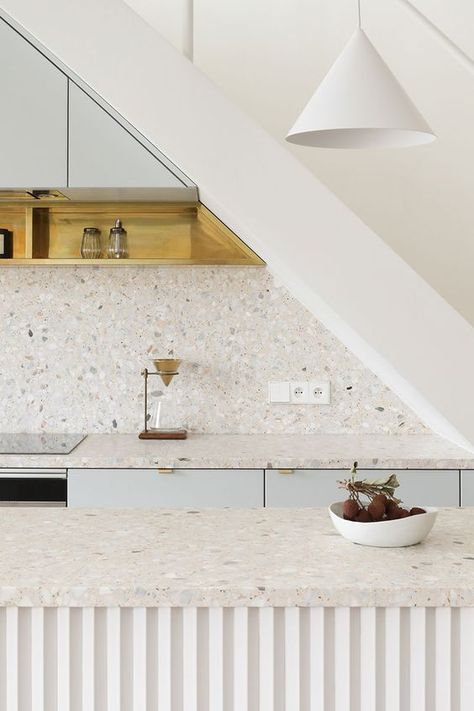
<point x="33" y="487"/>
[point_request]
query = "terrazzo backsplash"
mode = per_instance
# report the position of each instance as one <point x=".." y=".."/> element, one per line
<point x="74" y="341"/>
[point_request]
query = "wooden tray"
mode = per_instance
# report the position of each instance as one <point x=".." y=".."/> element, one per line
<point x="174" y="434"/>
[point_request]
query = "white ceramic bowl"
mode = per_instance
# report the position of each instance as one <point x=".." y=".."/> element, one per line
<point x="384" y="534"/>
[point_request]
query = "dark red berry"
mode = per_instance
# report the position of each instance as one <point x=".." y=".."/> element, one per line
<point x="416" y="510"/>
<point x="350" y="509"/>
<point x="363" y="516"/>
<point x="380" y="497"/>
<point x="393" y="512"/>
<point x="376" y="509"/>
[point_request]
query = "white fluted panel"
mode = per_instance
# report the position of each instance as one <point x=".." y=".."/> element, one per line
<point x="164" y="659"/>
<point x="342" y="665"/>
<point x="418" y="658"/>
<point x="467" y="659"/>
<point x="11" y="658"/>
<point x="368" y="659"/>
<point x="216" y="659"/>
<point x="113" y="659"/>
<point x="392" y="659"/>
<point x="317" y="667"/>
<point x="87" y="659"/>
<point x="190" y="686"/>
<point x="240" y="657"/>
<point x="139" y="648"/>
<point x="289" y="659"/>
<point x="266" y="660"/>
<point x="62" y="678"/>
<point x="37" y="659"/>
<point x="292" y="658"/>
<point x="443" y="659"/>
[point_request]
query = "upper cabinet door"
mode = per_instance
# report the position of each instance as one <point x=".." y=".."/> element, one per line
<point x="33" y="120"/>
<point x="103" y="154"/>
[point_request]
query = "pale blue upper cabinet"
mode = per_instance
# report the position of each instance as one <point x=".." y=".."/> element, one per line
<point x="33" y="135"/>
<point x="103" y="154"/>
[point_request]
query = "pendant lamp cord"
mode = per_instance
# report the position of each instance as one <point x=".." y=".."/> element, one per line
<point x="358" y="13"/>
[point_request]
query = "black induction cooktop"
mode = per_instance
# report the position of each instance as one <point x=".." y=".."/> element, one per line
<point x="42" y="443"/>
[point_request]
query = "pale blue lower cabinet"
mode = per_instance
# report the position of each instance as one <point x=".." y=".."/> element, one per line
<point x="318" y="487"/>
<point x="245" y="487"/>
<point x="467" y="487"/>
<point x="177" y="488"/>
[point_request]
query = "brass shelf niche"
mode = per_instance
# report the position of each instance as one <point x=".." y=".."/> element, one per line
<point x="158" y="234"/>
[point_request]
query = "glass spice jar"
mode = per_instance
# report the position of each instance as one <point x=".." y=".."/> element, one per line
<point x="91" y="247"/>
<point x="118" y="247"/>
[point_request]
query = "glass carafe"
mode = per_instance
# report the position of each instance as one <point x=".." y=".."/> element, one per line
<point x="163" y="412"/>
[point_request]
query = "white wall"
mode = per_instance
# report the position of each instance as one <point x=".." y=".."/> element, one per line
<point x="329" y="259"/>
<point x="172" y="18"/>
<point x="418" y="201"/>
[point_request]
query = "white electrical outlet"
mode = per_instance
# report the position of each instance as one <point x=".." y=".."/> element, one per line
<point x="319" y="392"/>
<point x="299" y="392"/>
<point x="279" y="391"/>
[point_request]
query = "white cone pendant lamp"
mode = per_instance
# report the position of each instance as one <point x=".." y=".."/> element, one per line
<point x="360" y="104"/>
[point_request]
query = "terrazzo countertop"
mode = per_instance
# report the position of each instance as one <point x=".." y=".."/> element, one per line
<point x="224" y="557"/>
<point x="269" y="451"/>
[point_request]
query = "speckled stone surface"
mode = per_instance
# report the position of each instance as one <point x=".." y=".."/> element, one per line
<point x="271" y="451"/>
<point x="75" y="340"/>
<point x="224" y="557"/>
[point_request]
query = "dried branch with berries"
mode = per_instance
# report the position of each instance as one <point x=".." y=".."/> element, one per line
<point x="381" y="505"/>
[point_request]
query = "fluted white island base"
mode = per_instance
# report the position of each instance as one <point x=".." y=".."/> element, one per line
<point x="236" y="659"/>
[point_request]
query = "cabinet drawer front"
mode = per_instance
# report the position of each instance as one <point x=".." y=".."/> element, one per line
<point x="176" y="488"/>
<point x="302" y="487"/>
<point x="318" y="487"/>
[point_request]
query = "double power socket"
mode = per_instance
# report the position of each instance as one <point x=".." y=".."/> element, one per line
<point x="304" y="392"/>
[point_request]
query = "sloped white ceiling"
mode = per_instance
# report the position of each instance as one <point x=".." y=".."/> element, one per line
<point x="269" y="56"/>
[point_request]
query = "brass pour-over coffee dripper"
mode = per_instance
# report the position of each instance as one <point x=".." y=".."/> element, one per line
<point x="166" y="368"/>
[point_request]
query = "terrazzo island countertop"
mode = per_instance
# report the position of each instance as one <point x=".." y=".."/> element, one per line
<point x="257" y="451"/>
<point x="224" y="557"/>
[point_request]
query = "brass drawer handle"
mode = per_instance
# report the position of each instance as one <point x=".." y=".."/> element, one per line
<point x="165" y="470"/>
<point x="286" y="471"/>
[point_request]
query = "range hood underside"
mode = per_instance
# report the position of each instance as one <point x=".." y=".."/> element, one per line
<point x="157" y="195"/>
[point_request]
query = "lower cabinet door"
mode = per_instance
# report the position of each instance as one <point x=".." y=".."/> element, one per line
<point x="467" y="487"/>
<point x="176" y="488"/>
<point x="318" y="487"/>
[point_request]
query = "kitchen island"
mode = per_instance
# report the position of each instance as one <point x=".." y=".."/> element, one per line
<point x="231" y="609"/>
